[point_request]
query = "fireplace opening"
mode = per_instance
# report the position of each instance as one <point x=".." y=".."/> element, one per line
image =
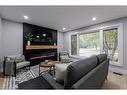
<point x="43" y="55"/>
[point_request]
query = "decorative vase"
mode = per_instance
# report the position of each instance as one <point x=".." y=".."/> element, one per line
<point x="54" y="44"/>
<point x="28" y="43"/>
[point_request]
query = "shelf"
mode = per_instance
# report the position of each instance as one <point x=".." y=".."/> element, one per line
<point x="31" y="47"/>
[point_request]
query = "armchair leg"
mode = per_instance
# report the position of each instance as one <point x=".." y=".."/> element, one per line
<point x="29" y="67"/>
<point x="15" y="74"/>
<point x="14" y="69"/>
<point x="4" y="62"/>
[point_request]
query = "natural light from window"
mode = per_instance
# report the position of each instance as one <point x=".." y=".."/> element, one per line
<point x="110" y="43"/>
<point x="108" y="40"/>
<point x="89" y="44"/>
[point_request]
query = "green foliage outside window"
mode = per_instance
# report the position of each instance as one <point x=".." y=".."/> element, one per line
<point x="110" y="43"/>
<point x="90" y="40"/>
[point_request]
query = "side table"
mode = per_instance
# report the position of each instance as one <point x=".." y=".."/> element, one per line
<point x="50" y="64"/>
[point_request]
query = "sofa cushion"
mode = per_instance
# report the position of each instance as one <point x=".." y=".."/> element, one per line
<point x="95" y="78"/>
<point x="13" y="56"/>
<point x="101" y="58"/>
<point x="65" y="59"/>
<point x="78" y="69"/>
<point x="19" y="59"/>
<point x="10" y="59"/>
<point x="16" y="58"/>
<point x="62" y="53"/>
<point x="22" y="64"/>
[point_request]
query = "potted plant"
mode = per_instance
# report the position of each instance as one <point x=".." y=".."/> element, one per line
<point x="29" y="38"/>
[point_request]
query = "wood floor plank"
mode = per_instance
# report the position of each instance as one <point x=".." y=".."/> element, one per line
<point x="113" y="81"/>
<point x="1" y="80"/>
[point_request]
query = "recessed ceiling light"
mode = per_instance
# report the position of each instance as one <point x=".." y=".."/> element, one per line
<point x="101" y="27"/>
<point x="26" y="17"/>
<point x="94" y="18"/>
<point x="64" y="28"/>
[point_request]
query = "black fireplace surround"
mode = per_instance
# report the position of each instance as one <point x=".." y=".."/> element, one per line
<point x="41" y="36"/>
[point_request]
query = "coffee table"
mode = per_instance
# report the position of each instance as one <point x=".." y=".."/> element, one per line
<point x="50" y="64"/>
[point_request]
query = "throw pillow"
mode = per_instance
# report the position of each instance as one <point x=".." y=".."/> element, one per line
<point x="65" y="59"/>
<point x="19" y="59"/>
<point x="60" y="70"/>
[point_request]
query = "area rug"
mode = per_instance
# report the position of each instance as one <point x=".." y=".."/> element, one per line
<point x="21" y="76"/>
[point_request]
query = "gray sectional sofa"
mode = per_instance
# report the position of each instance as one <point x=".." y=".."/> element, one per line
<point x="89" y="73"/>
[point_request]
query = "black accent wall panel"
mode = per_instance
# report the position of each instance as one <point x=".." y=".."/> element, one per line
<point x="41" y="36"/>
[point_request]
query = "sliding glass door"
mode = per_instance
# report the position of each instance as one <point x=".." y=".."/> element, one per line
<point x="110" y="43"/>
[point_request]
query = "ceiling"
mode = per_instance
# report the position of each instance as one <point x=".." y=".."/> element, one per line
<point x="57" y="17"/>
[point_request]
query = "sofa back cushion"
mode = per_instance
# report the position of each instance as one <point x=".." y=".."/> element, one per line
<point x="78" y="69"/>
<point x="65" y="59"/>
<point x="63" y="53"/>
<point x="101" y="58"/>
<point x="95" y="78"/>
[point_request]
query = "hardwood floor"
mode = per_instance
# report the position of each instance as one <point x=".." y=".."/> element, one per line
<point x="113" y="81"/>
<point x="1" y="80"/>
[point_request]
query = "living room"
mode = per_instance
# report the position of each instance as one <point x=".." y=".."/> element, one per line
<point x="85" y="34"/>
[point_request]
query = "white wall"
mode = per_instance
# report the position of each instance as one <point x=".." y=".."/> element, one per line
<point x="0" y="44"/>
<point x="12" y="38"/>
<point x="60" y="41"/>
<point x="122" y="69"/>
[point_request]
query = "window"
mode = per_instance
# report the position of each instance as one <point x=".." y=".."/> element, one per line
<point x="110" y="43"/>
<point x="108" y="40"/>
<point x="89" y="44"/>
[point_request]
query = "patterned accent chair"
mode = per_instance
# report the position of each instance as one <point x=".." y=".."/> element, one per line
<point x="64" y="57"/>
<point x="13" y="63"/>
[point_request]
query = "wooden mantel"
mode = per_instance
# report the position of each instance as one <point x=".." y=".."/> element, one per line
<point x="31" y="47"/>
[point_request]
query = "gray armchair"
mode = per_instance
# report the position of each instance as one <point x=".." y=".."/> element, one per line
<point x="64" y="57"/>
<point x="13" y="63"/>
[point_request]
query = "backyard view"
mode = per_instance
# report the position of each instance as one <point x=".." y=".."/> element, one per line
<point x="89" y="44"/>
<point x="110" y="43"/>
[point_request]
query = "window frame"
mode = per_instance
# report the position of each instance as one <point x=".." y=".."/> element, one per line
<point x="70" y="44"/>
<point x="120" y="43"/>
<point x="100" y="30"/>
